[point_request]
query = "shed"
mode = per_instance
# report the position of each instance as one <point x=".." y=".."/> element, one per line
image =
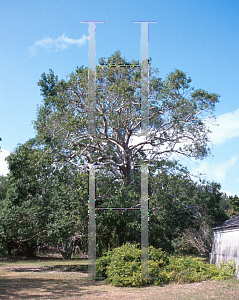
<point x="225" y="245"/>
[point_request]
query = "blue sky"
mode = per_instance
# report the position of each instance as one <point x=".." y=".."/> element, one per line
<point x="196" y="36"/>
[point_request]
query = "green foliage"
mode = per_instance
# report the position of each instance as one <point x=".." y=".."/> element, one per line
<point x="49" y="199"/>
<point x="178" y="206"/>
<point x="102" y="263"/>
<point x="211" y="198"/>
<point x="234" y="206"/>
<point x="45" y="202"/>
<point x="45" y="196"/>
<point x="3" y="187"/>
<point x="121" y="267"/>
<point x="180" y="213"/>
<point x="176" y="113"/>
<point x="194" y="240"/>
<point x="191" y="269"/>
<point x="116" y="227"/>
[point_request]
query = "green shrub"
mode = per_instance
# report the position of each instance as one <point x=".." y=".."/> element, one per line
<point x="226" y="270"/>
<point x="191" y="269"/>
<point x="186" y="269"/>
<point x="102" y="263"/>
<point x="121" y="267"/>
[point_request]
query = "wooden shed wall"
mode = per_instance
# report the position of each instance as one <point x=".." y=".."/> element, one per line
<point x="225" y="247"/>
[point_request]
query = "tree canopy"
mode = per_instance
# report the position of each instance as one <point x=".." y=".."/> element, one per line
<point x="177" y="117"/>
<point x="44" y="197"/>
<point x="43" y="202"/>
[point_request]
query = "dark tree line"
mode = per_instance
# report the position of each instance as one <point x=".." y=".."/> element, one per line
<point x="44" y="203"/>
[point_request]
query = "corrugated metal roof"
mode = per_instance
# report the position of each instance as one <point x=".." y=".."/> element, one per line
<point x="229" y="224"/>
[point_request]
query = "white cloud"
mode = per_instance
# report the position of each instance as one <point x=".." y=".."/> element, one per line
<point x="216" y="172"/>
<point x="61" y="43"/>
<point x="226" y="192"/>
<point x="3" y="163"/>
<point x="228" y="127"/>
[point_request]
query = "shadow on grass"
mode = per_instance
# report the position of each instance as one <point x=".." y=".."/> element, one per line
<point x="60" y="268"/>
<point x="43" y="288"/>
<point x="38" y="258"/>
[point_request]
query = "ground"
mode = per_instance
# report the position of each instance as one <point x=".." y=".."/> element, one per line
<point x="54" y="278"/>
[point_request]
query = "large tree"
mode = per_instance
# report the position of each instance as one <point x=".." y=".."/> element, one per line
<point x="177" y="117"/>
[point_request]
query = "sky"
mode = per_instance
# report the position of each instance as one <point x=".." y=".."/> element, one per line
<point x="196" y="36"/>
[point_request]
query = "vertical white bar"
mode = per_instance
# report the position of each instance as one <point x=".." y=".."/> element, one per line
<point x="91" y="79"/>
<point x="91" y="51"/>
<point x="144" y="222"/>
<point x="144" y="132"/>
<point x="92" y="225"/>
<point x="144" y="79"/>
<point x="91" y="129"/>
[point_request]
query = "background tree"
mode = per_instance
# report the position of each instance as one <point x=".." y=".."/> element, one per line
<point x="25" y="211"/>
<point x="47" y="203"/>
<point x="211" y="212"/>
<point x="182" y="212"/>
<point x="180" y="208"/>
<point x="3" y="187"/>
<point x="3" y="193"/>
<point x="176" y="117"/>
<point x="234" y="206"/>
<point x="44" y="203"/>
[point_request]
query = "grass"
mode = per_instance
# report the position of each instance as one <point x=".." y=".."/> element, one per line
<point x="59" y="279"/>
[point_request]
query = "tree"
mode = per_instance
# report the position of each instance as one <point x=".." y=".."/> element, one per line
<point x="3" y="193"/>
<point x="117" y="226"/>
<point x="3" y="187"/>
<point x="213" y="202"/>
<point x="234" y="205"/>
<point x="176" y="119"/>
<point x="44" y="203"/>
<point x="26" y="207"/>
<point x="47" y="203"/>
<point x="183" y="212"/>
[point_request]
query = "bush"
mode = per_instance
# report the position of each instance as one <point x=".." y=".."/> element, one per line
<point x="121" y="267"/>
<point x="190" y="269"/>
<point x="102" y="263"/>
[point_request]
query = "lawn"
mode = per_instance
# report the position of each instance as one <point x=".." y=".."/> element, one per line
<point x="59" y="279"/>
